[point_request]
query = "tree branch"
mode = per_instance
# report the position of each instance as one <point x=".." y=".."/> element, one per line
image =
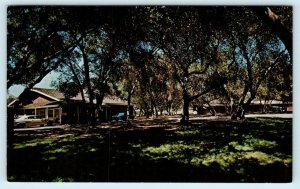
<point x="273" y="22"/>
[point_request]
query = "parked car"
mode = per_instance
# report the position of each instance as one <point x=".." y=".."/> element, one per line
<point x="30" y="121"/>
<point x="119" y="116"/>
<point x="275" y="109"/>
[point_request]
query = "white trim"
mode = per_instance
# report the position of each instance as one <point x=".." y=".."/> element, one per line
<point x="39" y="107"/>
<point x="46" y="113"/>
<point x="60" y="113"/>
<point x="12" y="102"/>
<point x="56" y="99"/>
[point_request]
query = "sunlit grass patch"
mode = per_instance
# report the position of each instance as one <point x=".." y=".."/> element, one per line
<point x="192" y="154"/>
<point x="63" y="149"/>
<point x="223" y="158"/>
<point x="239" y="147"/>
<point x="45" y="142"/>
<point x="34" y="143"/>
<point x="49" y="158"/>
<point x="269" y="122"/>
<point x="177" y="151"/>
<point x="56" y="141"/>
<point x="250" y="144"/>
<point x="262" y="158"/>
<point x="228" y="156"/>
<point x="260" y="143"/>
<point x="187" y="133"/>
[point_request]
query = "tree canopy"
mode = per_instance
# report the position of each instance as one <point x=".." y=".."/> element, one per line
<point x="154" y="53"/>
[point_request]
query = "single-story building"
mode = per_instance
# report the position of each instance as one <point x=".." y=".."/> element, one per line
<point x="255" y="107"/>
<point x="52" y="104"/>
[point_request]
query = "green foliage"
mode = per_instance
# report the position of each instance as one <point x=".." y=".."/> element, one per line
<point x="37" y="43"/>
<point x="156" y="55"/>
<point x="70" y="89"/>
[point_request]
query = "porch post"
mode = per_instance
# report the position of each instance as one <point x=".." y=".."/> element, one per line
<point x="60" y="112"/>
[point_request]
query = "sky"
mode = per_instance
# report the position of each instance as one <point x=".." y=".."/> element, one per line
<point x="16" y="90"/>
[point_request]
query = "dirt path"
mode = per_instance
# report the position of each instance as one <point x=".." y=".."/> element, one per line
<point x="41" y="128"/>
<point x="148" y="123"/>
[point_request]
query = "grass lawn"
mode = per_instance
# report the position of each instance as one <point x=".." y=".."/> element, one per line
<point x="254" y="150"/>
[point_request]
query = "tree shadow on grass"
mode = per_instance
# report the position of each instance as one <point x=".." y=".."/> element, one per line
<point x="212" y="152"/>
<point x="256" y="150"/>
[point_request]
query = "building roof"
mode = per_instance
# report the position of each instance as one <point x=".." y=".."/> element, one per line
<point x="217" y="102"/>
<point x="52" y="93"/>
<point x="58" y="96"/>
<point x="268" y="102"/>
<point x="109" y="100"/>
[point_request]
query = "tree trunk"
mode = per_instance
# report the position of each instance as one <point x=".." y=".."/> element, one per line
<point x="128" y="106"/>
<point x="83" y="107"/>
<point x="10" y="129"/>
<point x="169" y="107"/>
<point x="152" y="110"/>
<point x="161" y="111"/>
<point x="153" y="105"/>
<point x="129" y="113"/>
<point x="186" y="103"/>
<point x="146" y="109"/>
<point x="238" y="112"/>
<point x="156" y="111"/>
<point x="265" y="107"/>
<point x="88" y="84"/>
<point x="211" y="109"/>
<point x="99" y="99"/>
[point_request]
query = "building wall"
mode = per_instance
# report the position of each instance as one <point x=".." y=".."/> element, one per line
<point x="73" y="111"/>
<point x="253" y="108"/>
<point x="78" y="113"/>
